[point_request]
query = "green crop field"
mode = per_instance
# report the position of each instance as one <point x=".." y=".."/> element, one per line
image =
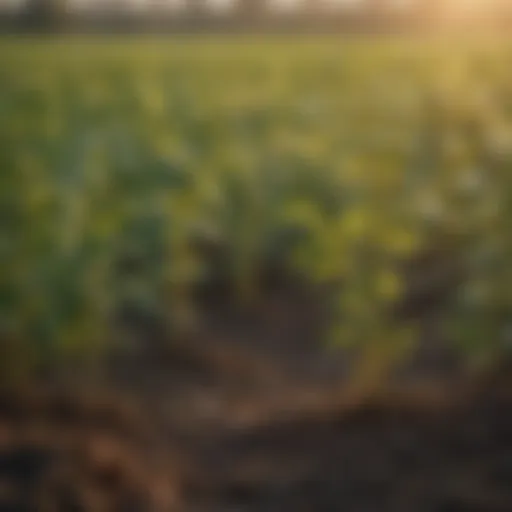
<point x="345" y="162"/>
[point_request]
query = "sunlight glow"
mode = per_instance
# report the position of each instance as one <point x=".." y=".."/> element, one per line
<point x="449" y="11"/>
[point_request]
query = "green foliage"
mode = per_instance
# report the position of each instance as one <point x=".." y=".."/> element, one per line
<point x="343" y="160"/>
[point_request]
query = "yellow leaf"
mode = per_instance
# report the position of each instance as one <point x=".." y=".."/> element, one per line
<point x="389" y="285"/>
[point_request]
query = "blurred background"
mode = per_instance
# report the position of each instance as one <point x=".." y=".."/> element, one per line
<point x="243" y="15"/>
<point x="255" y="255"/>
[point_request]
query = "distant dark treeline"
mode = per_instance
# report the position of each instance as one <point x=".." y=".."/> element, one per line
<point x="229" y="24"/>
<point x="374" y="16"/>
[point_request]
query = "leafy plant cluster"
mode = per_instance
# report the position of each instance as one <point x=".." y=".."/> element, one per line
<point x="343" y="160"/>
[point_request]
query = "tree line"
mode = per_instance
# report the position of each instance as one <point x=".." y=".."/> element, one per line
<point x="369" y="15"/>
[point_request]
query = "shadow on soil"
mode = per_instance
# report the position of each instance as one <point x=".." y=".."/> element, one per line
<point x="247" y="415"/>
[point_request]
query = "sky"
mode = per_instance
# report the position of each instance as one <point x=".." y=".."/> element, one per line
<point x="163" y="3"/>
<point x="458" y="5"/>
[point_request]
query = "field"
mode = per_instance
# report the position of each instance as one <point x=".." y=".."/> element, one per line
<point x="135" y="173"/>
<point x="222" y="231"/>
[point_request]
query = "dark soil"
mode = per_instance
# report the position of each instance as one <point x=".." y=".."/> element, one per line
<point x="250" y="413"/>
<point x="421" y="450"/>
